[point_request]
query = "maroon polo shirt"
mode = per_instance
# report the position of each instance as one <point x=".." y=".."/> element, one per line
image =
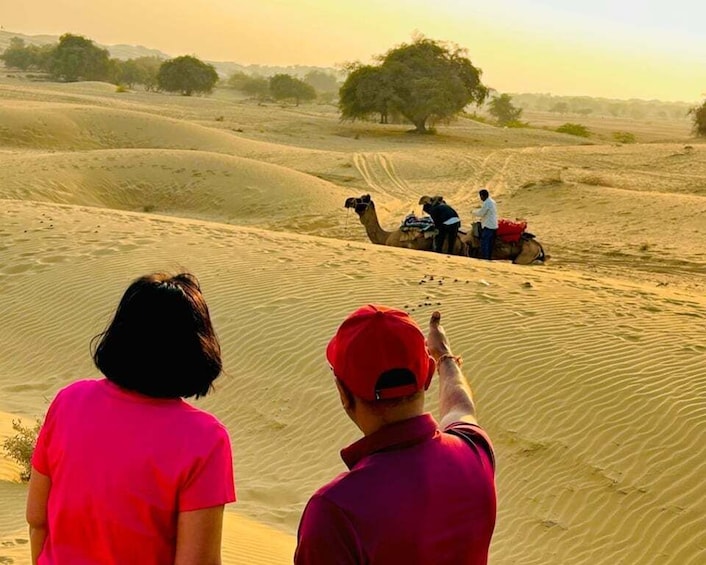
<point x="412" y="495"/>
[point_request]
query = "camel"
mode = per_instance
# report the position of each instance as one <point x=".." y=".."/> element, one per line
<point x="524" y="252"/>
<point x="411" y="238"/>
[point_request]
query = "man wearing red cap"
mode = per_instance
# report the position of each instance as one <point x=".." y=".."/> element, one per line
<point x="416" y="492"/>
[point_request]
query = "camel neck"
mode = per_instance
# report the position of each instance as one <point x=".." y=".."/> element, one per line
<point x="373" y="228"/>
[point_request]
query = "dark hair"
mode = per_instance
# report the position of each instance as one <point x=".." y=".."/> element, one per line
<point x="389" y="379"/>
<point x="160" y="342"/>
<point x="394" y="378"/>
<point x="483" y="193"/>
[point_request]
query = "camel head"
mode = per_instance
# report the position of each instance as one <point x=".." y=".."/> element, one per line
<point x="360" y="205"/>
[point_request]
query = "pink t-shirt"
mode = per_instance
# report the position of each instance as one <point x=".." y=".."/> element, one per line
<point x="122" y="466"/>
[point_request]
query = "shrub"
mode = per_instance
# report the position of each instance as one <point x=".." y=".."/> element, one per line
<point x="20" y="447"/>
<point x="698" y="115"/>
<point x="574" y="129"/>
<point x="121" y="88"/>
<point x="516" y="124"/>
<point x="624" y="137"/>
<point x="476" y="118"/>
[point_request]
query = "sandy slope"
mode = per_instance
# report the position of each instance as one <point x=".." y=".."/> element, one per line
<point x="592" y="387"/>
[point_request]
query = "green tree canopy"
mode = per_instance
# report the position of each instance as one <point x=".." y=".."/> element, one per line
<point x="502" y="109"/>
<point x="256" y="86"/>
<point x="253" y="85"/>
<point x="237" y="80"/>
<point x="186" y="74"/>
<point x="142" y="70"/>
<point x="321" y="81"/>
<point x="698" y="115"/>
<point x="17" y="55"/>
<point x="560" y="108"/>
<point x="77" y="58"/>
<point x="366" y="91"/>
<point x="284" y="87"/>
<point x="422" y="81"/>
<point x="24" y="57"/>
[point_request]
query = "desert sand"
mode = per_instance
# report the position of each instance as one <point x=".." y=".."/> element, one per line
<point x="588" y="370"/>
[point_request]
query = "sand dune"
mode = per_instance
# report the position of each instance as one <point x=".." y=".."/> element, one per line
<point x="183" y="183"/>
<point x="588" y="371"/>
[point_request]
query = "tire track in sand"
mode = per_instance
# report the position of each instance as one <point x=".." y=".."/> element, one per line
<point x="380" y="174"/>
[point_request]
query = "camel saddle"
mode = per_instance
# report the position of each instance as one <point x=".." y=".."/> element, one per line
<point x="413" y="227"/>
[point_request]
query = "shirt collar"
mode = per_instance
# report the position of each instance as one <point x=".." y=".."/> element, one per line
<point x="391" y="437"/>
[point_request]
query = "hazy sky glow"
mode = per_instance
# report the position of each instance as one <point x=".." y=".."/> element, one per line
<point x="613" y="48"/>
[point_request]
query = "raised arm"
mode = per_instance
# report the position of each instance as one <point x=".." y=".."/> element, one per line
<point x="455" y="397"/>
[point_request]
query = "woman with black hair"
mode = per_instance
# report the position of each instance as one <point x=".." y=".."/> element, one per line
<point x="125" y="471"/>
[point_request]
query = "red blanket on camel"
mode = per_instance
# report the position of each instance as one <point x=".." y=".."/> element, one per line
<point x="510" y="231"/>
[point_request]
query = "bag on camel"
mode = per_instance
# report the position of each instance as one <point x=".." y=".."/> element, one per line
<point x="510" y="231"/>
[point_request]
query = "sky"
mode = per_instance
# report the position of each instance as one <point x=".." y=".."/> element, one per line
<point x="648" y="49"/>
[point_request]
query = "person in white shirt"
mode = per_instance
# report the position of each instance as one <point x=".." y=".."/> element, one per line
<point x="488" y="214"/>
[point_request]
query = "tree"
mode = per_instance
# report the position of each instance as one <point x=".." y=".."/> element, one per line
<point x="237" y="80"/>
<point x="366" y="91"/>
<point x="422" y="81"/>
<point x="77" y="58"/>
<point x="149" y="71"/>
<point x="321" y="81"/>
<point x="256" y="86"/>
<point x="25" y="57"/>
<point x="142" y="70"/>
<point x="186" y="74"/>
<point x="259" y="87"/>
<point x="17" y="55"/>
<point x="560" y="108"/>
<point x="129" y="73"/>
<point x="283" y="87"/>
<point x="502" y="109"/>
<point x="698" y="115"/>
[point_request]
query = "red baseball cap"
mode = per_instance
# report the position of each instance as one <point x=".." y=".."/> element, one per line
<point x="373" y="340"/>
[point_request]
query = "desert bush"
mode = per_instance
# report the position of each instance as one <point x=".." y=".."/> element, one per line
<point x="476" y="118"/>
<point x="574" y="129"/>
<point x="121" y="88"/>
<point x="516" y="124"/>
<point x="624" y="137"/>
<point x="20" y="446"/>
